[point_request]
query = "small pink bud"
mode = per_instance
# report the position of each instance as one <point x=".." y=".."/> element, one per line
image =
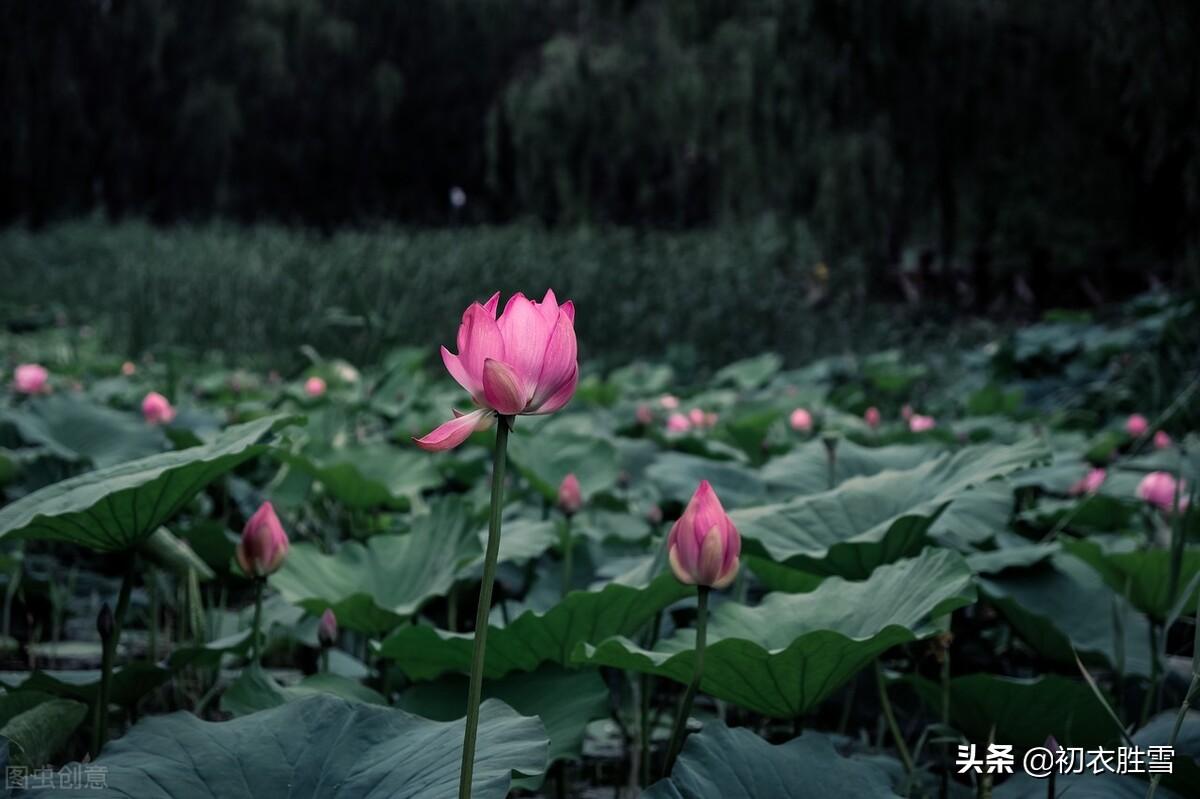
<point x="1090" y="483"/>
<point x="1158" y="489"/>
<point x="128" y="369"/>
<point x="31" y="378"/>
<point x="704" y="545"/>
<point x="678" y="423"/>
<point x="872" y="417"/>
<point x="156" y="409"/>
<point x="314" y="386"/>
<point x="645" y="415"/>
<point x="1136" y="425"/>
<point x="570" y="496"/>
<point x="801" y="420"/>
<point x="920" y="424"/>
<point x="264" y="543"/>
<point x="1162" y="440"/>
<point x="710" y="419"/>
<point x="654" y="514"/>
<point x="327" y="629"/>
<point x="906" y="412"/>
<point x="669" y="402"/>
<point x="696" y="417"/>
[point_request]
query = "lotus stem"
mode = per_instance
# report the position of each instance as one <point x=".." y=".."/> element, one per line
<point x="256" y="628"/>
<point x="1193" y="689"/>
<point x="109" y="643"/>
<point x="685" y="707"/>
<point x="566" y="556"/>
<point x="890" y="716"/>
<point x="481" y="614"/>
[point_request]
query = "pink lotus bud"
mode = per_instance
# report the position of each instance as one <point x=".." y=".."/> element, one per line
<point x="710" y="419"/>
<point x="654" y="514"/>
<point x="524" y="362"/>
<point x="920" y="424"/>
<point x="1090" y="483"/>
<point x="128" y="369"/>
<point x="264" y="543"/>
<point x="645" y="415"/>
<point x="1158" y="489"/>
<point x="1136" y="425"/>
<point x="570" y="496"/>
<point x="668" y="402"/>
<point x="696" y="417"/>
<point x="314" y="386"/>
<point x="678" y="423"/>
<point x="1162" y="440"/>
<point x="801" y="421"/>
<point x="327" y="629"/>
<point x="906" y="412"/>
<point x="156" y="409"/>
<point x="872" y="417"/>
<point x="703" y="545"/>
<point x="31" y="378"/>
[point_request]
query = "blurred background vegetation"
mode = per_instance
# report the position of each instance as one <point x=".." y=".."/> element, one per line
<point x="797" y="175"/>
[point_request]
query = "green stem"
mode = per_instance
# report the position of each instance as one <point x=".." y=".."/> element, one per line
<point x="100" y="731"/>
<point x="1193" y="689"/>
<point x="1152" y="688"/>
<point x="324" y="660"/>
<point x="685" y="707"/>
<point x="890" y="716"/>
<point x="566" y="556"/>
<point x="485" y="603"/>
<point x="256" y="640"/>
<point x="647" y="688"/>
<point x="152" y="644"/>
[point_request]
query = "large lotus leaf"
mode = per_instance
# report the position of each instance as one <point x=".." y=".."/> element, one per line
<point x="784" y="656"/>
<point x="255" y="689"/>
<point x="1064" y="607"/>
<point x="869" y="520"/>
<point x="319" y="747"/>
<point x="37" y="724"/>
<point x="749" y="373"/>
<point x="719" y="762"/>
<point x="369" y="476"/>
<point x="534" y="638"/>
<point x="129" y="683"/>
<point x="1143" y="575"/>
<point x="545" y="457"/>
<point x="74" y="429"/>
<point x="372" y="587"/>
<point x="677" y="475"/>
<point x="115" y="508"/>
<point x="805" y="470"/>
<point x="1024" y="712"/>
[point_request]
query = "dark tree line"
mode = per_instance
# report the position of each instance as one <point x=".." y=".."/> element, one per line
<point x="1063" y="133"/>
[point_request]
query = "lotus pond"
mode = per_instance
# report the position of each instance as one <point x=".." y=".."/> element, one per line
<point x="838" y="578"/>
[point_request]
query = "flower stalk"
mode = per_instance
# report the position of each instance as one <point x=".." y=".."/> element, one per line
<point x="685" y="706"/>
<point x="109" y="626"/>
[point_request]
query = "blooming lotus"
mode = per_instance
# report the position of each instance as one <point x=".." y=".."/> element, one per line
<point x="1090" y="483"/>
<point x="522" y="363"/>
<point x="264" y="543"/>
<point x="31" y="378"/>
<point x="1159" y="489"/>
<point x="570" y="495"/>
<point x="678" y="423"/>
<point x="801" y="420"/>
<point x="1136" y="425"/>
<point x="704" y="545"/>
<point x="314" y="386"/>
<point x="918" y="423"/>
<point x="327" y="628"/>
<point x="157" y="409"/>
<point x="1162" y="440"/>
<point x="872" y="417"/>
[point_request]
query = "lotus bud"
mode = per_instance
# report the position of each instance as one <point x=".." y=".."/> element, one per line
<point x="327" y="629"/>
<point x="645" y="415"/>
<point x="1158" y="489"/>
<point x="128" y="369"/>
<point x="1136" y="425"/>
<point x="264" y="543"/>
<point x="1162" y="440"/>
<point x="704" y="545"/>
<point x="906" y="412"/>
<point x="801" y="420"/>
<point x="696" y="417"/>
<point x="669" y="402"/>
<point x="570" y="496"/>
<point x="654" y="514"/>
<point x="314" y="386"/>
<point x="678" y="423"/>
<point x="872" y="417"/>
<point x="1090" y="483"/>
<point x="31" y="378"/>
<point x="920" y="424"/>
<point x="710" y="419"/>
<point x="157" y="409"/>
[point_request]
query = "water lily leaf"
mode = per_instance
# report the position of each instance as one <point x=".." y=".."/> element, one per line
<point x="534" y="638"/>
<point x="77" y="430"/>
<point x="318" y="747"/>
<point x="720" y="762"/>
<point x="784" y="656"/>
<point x="805" y="470"/>
<point x="372" y="587"/>
<point x="38" y="724"/>
<point x="117" y="507"/>
<point x="544" y="458"/>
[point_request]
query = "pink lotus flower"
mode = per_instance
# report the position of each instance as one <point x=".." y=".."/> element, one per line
<point x="669" y="402"/>
<point x="801" y="420"/>
<point x="696" y="417"/>
<point x="570" y="496"/>
<point x="128" y="369"/>
<point x="327" y="629"/>
<point x="920" y="424"/>
<point x="872" y="417"/>
<point x="703" y="545"/>
<point x="1136" y="425"/>
<point x="31" y="378"/>
<point x="644" y="414"/>
<point x="157" y="409"/>
<point x="1158" y="489"/>
<point x="1090" y="483"/>
<point x="1162" y="440"/>
<point x="264" y="543"/>
<point x="314" y="386"/>
<point x="678" y="423"/>
<point x="523" y="362"/>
